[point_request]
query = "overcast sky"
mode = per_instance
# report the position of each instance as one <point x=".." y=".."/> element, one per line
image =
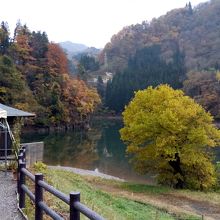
<point x="91" y="22"/>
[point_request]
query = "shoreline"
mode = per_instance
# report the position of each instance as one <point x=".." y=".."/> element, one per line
<point x="84" y="172"/>
<point x="107" y="117"/>
<point x="62" y="128"/>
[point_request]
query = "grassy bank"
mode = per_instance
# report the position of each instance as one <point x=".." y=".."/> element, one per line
<point x="111" y="199"/>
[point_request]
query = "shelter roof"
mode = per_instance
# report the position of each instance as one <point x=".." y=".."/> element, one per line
<point x="13" y="112"/>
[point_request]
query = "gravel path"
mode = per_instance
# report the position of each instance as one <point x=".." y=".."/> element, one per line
<point x="8" y="201"/>
<point x="86" y="172"/>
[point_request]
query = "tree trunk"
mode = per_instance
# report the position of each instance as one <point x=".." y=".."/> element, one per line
<point x="175" y="164"/>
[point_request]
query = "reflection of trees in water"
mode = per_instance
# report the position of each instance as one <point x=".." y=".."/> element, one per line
<point x="76" y="149"/>
<point x="112" y="154"/>
<point x="86" y="151"/>
<point x="112" y="150"/>
<point x="110" y="143"/>
<point x="100" y="148"/>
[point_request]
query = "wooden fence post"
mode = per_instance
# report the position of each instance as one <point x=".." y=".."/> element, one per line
<point x="22" y="181"/>
<point x="24" y="154"/>
<point x="21" y="153"/>
<point x="38" y="196"/>
<point x="19" y="171"/>
<point x="74" y="213"/>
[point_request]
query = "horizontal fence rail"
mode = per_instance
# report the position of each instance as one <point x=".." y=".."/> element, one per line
<point x="73" y="200"/>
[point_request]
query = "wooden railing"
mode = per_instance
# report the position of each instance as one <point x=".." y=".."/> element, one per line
<point x="73" y="200"/>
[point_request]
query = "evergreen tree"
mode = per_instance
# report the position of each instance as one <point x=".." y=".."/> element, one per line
<point x="100" y="87"/>
<point x="144" y="69"/>
<point x="4" y="38"/>
<point x="190" y="8"/>
<point x="89" y="63"/>
<point x="81" y="72"/>
<point x="39" y="44"/>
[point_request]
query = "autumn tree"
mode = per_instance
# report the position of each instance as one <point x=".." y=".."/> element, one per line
<point x="57" y="60"/>
<point x="80" y="99"/>
<point x="169" y="135"/>
<point x="21" y="50"/>
<point x="34" y="77"/>
<point x="13" y="90"/>
<point x="204" y="88"/>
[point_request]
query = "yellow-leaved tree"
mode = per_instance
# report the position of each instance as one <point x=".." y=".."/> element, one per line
<point x="170" y="135"/>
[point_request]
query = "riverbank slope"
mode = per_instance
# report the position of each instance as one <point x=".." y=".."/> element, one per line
<point x="122" y="200"/>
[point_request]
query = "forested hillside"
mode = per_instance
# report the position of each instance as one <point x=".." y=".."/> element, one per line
<point x="196" y="31"/>
<point x="34" y="77"/>
<point x="144" y="69"/>
<point x="164" y="51"/>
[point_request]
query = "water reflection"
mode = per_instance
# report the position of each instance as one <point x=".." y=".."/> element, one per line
<point x="99" y="148"/>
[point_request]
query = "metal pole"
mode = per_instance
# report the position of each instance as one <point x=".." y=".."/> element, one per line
<point x="6" y="148"/>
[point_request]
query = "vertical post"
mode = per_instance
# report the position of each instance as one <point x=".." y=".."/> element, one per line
<point x="6" y="149"/>
<point x="22" y="182"/>
<point x="38" y="197"/>
<point x="24" y="154"/>
<point x="74" y="213"/>
<point x="21" y="153"/>
<point x="19" y="171"/>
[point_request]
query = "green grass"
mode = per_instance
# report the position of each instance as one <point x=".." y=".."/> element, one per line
<point x="107" y="204"/>
<point x="141" y="188"/>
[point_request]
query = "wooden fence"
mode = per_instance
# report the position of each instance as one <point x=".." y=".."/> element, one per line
<point x="73" y="200"/>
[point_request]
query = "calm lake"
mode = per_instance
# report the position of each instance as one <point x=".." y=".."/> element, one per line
<point x="99" y="148"/>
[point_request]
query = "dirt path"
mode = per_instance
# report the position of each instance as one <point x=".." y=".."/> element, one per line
<point x="172" y="202"/>
<point x="8" y="201"/>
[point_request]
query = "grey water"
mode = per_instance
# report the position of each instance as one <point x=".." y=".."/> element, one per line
<point x="99" y="148"/>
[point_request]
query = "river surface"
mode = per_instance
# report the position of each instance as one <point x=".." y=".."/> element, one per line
<point x="99" y="148"/>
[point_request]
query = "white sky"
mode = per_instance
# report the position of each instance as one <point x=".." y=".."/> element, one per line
<point x="91" y="22"/>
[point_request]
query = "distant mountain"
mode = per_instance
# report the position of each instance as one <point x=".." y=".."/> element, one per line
<point x="74" y="53"/>
<point x="72" y="48"/>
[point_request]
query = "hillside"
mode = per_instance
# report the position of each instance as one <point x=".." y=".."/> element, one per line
<point x="196" y="31"/>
